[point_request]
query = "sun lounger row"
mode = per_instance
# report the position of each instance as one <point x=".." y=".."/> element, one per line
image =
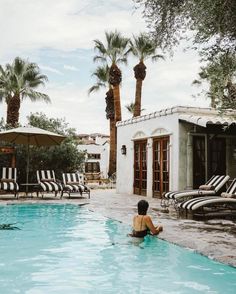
<point x="209" y="198"/>
<point x="225" y="202"/>
<point x="72" y="183"/>
<point x="46" y="182"/>
<point x="212" y="187"/>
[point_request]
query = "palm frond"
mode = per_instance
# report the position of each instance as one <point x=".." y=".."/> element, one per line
<point x="99" y="58"/>
<point x="99" y="47"/>
<point x="96" y="87"/>
<point x="102" y="76"/>
<point x="36" y="96"/>
<point x="115" y="47"/>
<point x="143" y="47"/>
<point x="157" y="57"/>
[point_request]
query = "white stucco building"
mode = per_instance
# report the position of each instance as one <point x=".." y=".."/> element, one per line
<point x="174" y="149"/>
<point x="97" y="148"/>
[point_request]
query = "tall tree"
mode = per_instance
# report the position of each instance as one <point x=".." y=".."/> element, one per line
<point x="113" y="52"/>
<point x="17" y="82"/>
<point x="102" y="81"/>
<point x="208" y="20"/>
<point x="220" y="73"/>
<point x="142" y="48"/>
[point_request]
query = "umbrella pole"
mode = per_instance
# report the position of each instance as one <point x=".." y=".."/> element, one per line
<point x="27" y="169"/>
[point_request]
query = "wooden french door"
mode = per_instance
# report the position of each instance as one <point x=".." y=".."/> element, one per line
<point x="212" y="163"/>
<point x="160" y="166"/>
<point x="217" y="157"/>
<point x="140" y="167"/>
<point x="199" y="161"/>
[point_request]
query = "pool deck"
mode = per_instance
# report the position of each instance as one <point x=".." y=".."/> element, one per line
<point x="214" y="238"/>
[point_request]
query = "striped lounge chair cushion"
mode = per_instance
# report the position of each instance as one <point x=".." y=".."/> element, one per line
<point x="8" y="180"/>
<point x="47" y="181"/>
<point x="74" y="182"/>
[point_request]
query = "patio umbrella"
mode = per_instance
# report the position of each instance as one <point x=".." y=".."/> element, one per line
<point x="31" y="136"/>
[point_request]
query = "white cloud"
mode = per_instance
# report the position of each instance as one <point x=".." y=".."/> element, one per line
<point x="30" y="27"/>
<point x="86" y="114"/>
<point x="62" y="25"/>
<point x="70" y="67"/>
<point x="50" y="69"/>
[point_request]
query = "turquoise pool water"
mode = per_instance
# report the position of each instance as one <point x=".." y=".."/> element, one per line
<point x="68" y="249"/>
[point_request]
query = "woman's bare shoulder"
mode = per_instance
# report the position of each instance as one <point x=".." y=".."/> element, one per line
<point x="147" y="217"/>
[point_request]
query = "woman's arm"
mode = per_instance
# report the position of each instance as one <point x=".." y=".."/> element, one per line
<point x="151" y="226"/>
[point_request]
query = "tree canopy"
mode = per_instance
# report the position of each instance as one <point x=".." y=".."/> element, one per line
<point x="62" y="158"/>
<point x="220" y="73"/>
<point x="208" y="21"/>
<point x="18" y="81"/>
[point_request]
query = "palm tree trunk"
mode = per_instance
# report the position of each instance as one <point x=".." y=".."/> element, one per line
<point x="112" y="158"/>
<point x="115" y="78"/>
<point x="138" y="95"/>
<point x="13" y="107"/>
<point x="110" y="114"/>
<point x="116" y="93"/>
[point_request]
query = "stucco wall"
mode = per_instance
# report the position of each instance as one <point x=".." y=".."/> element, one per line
<point x="185" y="146"/>
<point x="166" y="122"/>
<point x="146" y="129"/>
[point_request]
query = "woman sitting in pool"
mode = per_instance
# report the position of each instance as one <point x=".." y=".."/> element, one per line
<point x="142" y="223"/>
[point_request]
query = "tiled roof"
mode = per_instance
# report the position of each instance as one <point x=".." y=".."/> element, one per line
<point x="179" y="110"/>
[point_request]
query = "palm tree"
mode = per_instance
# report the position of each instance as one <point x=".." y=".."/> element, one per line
<point x="113" y="53"/>
<point x="130" y="108"/>
<point x="102" y="81"/>
<point x="17" y="82"/>
<point x="142" y="48"/>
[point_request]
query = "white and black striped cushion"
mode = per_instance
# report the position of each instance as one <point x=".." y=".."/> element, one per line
<point x="231" y="190"/>
<point x="9" y="173"/>
<point x="74" y="182"/>
<point x="50" y="185"/>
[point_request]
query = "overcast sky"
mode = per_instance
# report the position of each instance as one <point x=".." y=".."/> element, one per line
<point x="59" y="34"/>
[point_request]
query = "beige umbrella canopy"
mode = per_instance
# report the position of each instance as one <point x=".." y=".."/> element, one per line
<point x="31" y="136"/>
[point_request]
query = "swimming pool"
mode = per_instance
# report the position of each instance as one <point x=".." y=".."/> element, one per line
<point x="69" y="249"/>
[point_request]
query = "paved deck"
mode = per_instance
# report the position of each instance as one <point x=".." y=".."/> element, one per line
<point x="215" y="239"/>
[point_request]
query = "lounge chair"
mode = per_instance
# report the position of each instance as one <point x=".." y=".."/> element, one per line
<point x="48" y="183"/>
<point x="74" y="183"/>
<point x="212" y="187"/>
<point x="8" y="180"/>
<point x="226" y="202"/>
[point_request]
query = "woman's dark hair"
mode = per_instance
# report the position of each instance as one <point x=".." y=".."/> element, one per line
<point x="142" y="207"/>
